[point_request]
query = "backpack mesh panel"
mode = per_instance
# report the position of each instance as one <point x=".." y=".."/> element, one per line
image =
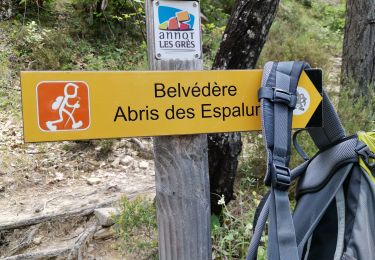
<point x="322" y="167"/>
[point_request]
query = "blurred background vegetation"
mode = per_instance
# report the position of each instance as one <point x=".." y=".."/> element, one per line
<point x="110" y="35"/>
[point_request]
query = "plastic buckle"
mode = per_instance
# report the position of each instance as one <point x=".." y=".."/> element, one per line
<point x="282" y="96"/>
<point x="281" y="178"/>
<point x="364" y="151"/>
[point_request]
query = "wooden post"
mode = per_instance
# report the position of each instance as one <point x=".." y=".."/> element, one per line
<point x="182" y="180"/>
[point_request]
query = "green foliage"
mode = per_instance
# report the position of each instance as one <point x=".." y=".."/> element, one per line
<point x="112" y="57"/>
<point x="216" y="11"/>
<point x="231" y="238"/>
<point x="253" y="157"/>
<point x="331" y="17"/>
<point x="213" y="25"/>
<point x="10" y="97"/>
<point x="33" y="5"/>
<point x="75" y="35"/>
<point x="357" y="112"/>
<point x="105" y="147"/>
<point x="119" y="19"/>
<point x="307" y="3"/>
<point x="37" y="46"/>
<point x="136" y="227"/>
<point x="211" y="41"/>
<point x="39" y="10"/>
<point x="7" y="96"/>
<point x="4" y="69"/>
<point x="303" y="33"/>
<point x="10" y="100"/>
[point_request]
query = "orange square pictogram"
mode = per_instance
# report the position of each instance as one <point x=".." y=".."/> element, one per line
<point x="63" y="106"/>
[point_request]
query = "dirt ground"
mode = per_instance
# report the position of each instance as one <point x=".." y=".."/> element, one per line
<point x="56" y="186"/>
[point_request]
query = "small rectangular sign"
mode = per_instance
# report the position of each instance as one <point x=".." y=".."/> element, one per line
<point x="92" y="105"/>
<point x="177" y="29"/>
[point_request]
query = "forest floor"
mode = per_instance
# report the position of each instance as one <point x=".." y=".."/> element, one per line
<point x="56" y="186"/>
<point x="49" y="183"/>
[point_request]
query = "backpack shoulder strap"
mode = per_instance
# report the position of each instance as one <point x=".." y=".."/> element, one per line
<point x="278" y="99"/>
<point x="330" y="133"/>
<point x="332" y="130"/>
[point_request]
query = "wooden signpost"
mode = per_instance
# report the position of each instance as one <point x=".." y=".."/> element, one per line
<point x="177" y="102"/>
<point x="181" y="162"/>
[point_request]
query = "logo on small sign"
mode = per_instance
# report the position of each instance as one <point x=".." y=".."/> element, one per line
<point x="173" y="19"/>
<point x="303" y="101"/>
<point x="177" y="29"/>
<point x="63" y="106"/>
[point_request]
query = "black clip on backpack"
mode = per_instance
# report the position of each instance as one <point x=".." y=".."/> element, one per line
<point x="334" y="217"/>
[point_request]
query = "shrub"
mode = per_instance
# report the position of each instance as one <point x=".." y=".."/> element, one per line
<point x="357" y="111"/>
<point x="231" y="236"/>
<point x="253" y="157"/>
<point x="311" y="34"/>
<point x="136" y="227"/>
<point x="119" y="19"/>
<point x="215" y="9"/>
<point x="37" y="46"/>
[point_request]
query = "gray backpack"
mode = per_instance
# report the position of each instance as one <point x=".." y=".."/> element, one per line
<point x="334" y="217"/>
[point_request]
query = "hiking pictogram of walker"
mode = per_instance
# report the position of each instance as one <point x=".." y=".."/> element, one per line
<point x="61" y="103"/>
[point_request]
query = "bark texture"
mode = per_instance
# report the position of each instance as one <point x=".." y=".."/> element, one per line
<point x="6" y="9"/>
<point x="242" y="42"/>
<point x="359" y="44"/>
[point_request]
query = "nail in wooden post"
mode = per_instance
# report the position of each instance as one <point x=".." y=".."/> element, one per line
<point x="181" y="165"/>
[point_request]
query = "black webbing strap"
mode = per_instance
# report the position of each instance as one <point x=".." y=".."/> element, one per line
<point x="278" y="99"/>
<point x="298" y="148"/>
<point x="332" y="129"/>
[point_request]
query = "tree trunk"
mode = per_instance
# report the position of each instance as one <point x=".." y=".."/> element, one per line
<point x="358" y="61"/>
<point x="240" y="48"/>
<point x="6" y="9"/>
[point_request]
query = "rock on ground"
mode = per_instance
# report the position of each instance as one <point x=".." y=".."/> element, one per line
<point x="105" y="216"/>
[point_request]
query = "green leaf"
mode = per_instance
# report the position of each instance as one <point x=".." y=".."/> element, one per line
<point x="214" y="221"/>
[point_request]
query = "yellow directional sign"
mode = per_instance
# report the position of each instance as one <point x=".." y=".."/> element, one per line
<point x="91" y="105"/>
